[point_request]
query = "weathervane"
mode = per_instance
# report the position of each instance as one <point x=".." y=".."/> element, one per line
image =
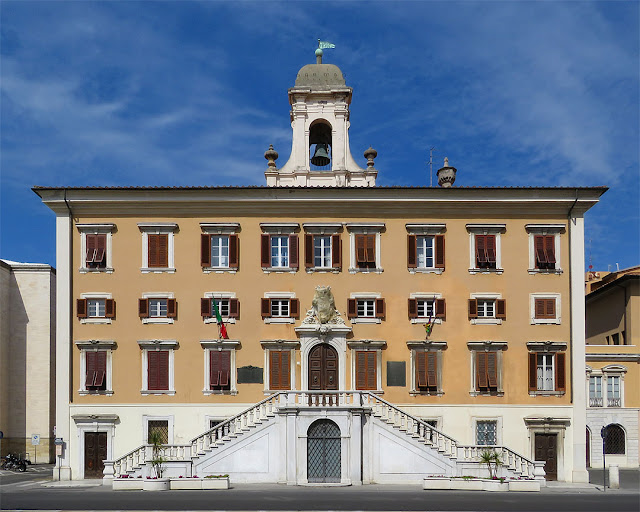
<point x="322" y="45"/>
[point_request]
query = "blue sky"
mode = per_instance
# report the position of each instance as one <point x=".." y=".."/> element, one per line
<point x="192" y="93"/>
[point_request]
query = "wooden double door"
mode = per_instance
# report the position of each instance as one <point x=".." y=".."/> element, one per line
<point x="546" y="449"/>
<point x="95" y="452"/>
<point x="323" y="368"/>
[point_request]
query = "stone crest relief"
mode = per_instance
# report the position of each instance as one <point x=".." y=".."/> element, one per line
<point x="323" y="308"/>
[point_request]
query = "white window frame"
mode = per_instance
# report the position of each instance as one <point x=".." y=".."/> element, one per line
<point x="362" y="228"/>
<point x="279" y="345"/>
<point x="426" y="230"/>
<point x="280" y="319"/>
<point x="90" y="346"/>
<point x="485" y="229"/>
<point x="366" y="319"/>
<point x="145" y="426"/>
<point x="429" y="346"/>
<point x="425" y="296"/>
<point x="498" y="421"/>
<point x="607" y="372"/>
<point x="219" y="295"/>
<point x="158" y="319"/>
<point x="487" y="320"/>
<point x="487" y="346"/>
<point x="367" y="346"/>
<point x="550" y="348"/>
<point x="95" y="319"/>
<point x="281" y="229"/>
<point x="602" y="390"/>
<point x="532" y="308"/>
<point x="147" y="346"/>
<point x="322" y="229"/>
<point x="96" y="229"/>
<point x="219" y="229"/>
<point x="159" y="228"/>
<point x="544" y="229"/>
<point x="220" y="345"/>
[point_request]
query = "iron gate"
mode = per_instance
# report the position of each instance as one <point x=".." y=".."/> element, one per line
<point x="323" y="452"/>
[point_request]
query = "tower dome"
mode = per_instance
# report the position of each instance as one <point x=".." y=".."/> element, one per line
<point x="320" y="75"/>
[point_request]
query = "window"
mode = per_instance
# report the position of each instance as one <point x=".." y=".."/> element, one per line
<point x="595" y="391"/>
<point x="280" y="308"/>
<point x="613" y="391"/>
<point x="545" y="308"/>
<point x="487" y="309"/>
<point x="614" y="440"/>
<point x="323" y="252"/>
<point x="220" y="366"/>
<point x="425" y="248"/>
<point x="547" y="372"/>
<point x="366" y="308"/>
<point x="544" y="247"/>
<point x="96" y="308"/>
<point x="484" y="247"/>
<point x="486" y="432"/>
<point x="219" y="370"/>
<point x="95" y="367"/>
<point x="95" y="247"/>
<point x="365" y="247"/>
<point x="279" y="247"/>
<point x="609" y="380"/>
<point x="366" y="369"/>
<point x="157" y="308"/>
<point x="279" y="369"/>
<point x="486" y="366"/>
<point x="425" y="307"/>
<point x="157" y="361"/>
<point x="219" y="247"/>
<point x="426" y="370"/>
<point x="159" y="428"/>
<point x="228" y="307"/>
<point x="157" y="246"/>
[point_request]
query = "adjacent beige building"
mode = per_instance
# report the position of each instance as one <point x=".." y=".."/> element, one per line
<point x="27" y="359"/>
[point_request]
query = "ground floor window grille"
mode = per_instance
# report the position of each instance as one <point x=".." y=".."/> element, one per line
<point x="614" y="440"/>
<point x="159" y="427"/>
<point x="487" y="433"/>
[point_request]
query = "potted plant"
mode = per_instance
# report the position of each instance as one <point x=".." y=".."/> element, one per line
<point x="215" y="482"/>
<point x="156" y="482"/>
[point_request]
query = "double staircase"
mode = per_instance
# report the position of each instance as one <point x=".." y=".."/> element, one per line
<point x="456" y="459"/>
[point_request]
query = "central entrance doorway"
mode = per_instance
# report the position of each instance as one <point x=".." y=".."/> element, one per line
<point x="323" y="368"/>
<point x="95" y="452"/>
<point x="323" y="452"/>
<point x="546" y="449"/>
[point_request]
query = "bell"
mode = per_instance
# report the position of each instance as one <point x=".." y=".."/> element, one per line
<point x="321" y="156"/>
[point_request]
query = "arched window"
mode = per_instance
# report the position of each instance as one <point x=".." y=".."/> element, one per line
<point x="320" y="146"/>
<point x="614" y="440"/>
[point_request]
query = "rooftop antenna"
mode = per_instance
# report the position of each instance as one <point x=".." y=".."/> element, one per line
<point x="590" y="258"/>
<point x="431" y="150"/>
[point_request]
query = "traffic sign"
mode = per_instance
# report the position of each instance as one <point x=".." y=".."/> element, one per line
<point x="35" y="439"/>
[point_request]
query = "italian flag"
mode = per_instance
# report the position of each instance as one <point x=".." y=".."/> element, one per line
<point x="221" y="327"/>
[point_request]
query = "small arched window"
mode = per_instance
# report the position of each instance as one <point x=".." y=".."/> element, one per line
<point x="614" y="440"/>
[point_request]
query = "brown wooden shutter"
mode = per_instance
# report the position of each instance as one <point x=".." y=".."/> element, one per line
<point x="294" y="308"/>
<point x="152" y="250"/>
<point x="372" y="370"/>
<point x="234" y="251"/>
<point x="441" y="309"/>
<point x="481" y="250"/>
<point x="90" y="368"/>
<point x="473" y="308"/>
<point x="492" y="369"/>
<point x="265" y="308"/>
<point x="501" y="309"/>
<point x="439" y="250"/>
<point x="225" y="368"/>
<point x="421" y="369"/>
<point x="550" y="250"/>
<point x="380" y="308"/>
<point x="101" y="250"/>
<point x="361" y="252"/>
<point x="336" y="251"/>
<point x="109" y="308"/>
<point x="163" y="250"/>
<point x="205" y="250"/>
<point x="205" y="307"/>
<point x="285" y="369"/>
<point x="352" y="308"/>
<point x="371" y="248"/>
<point x="412" y="260"/>
<point x="274" y="369"/>
<point x="481" y="370"/>
<point x="538" y="246"/>
<point x="293" y="251"/>
<point x="172" y="308"/>
<point x="539" y="308"/>
<point x="432" y="369"/>
<point x="234" y="308"/>
<point x="361" y="369"/>
<point x="81" y="308"/>
<point x="158" y="369"/>
<point x="490" y="241"/>
<point x="265" y="250"/>
<point x="308" y="251"/>
<point x="550" y="308"/>
<point x="413" y="308"/>
<point x="214" y="368"/>
<point x="91" y="242"/>
<point x="143" y="308"/>
<point x="533" y="371"/>
<point x="101" y="369"/>
<point x="560" y="371"/>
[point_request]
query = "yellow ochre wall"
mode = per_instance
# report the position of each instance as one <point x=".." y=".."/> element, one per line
<point x="189" y="283"/>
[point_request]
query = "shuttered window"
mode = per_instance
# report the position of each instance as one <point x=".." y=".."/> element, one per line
<point x="96" y="308"/>
<point x="427" y="308"/>
<point x="488" y="308"/>
<point x="545" y="254"/>
<point x="219" y="370"/>
<point x="486" y="371"/>
<point x="485" y="251"/>
<point x="366" y="308"/>
<point x="366" y="370"/>
<point x="96" y="250"/>
<point x="158" y="250"/>
<point x="279" y="369"/>
<point x="96" y="370"/>
<point x="365" y="246"/>
<point x="219" y="251"/>
<point x="228" y="308"/>
<point x="322" y="251"/>
<point x="158" y="370"/>
<point x="545" y="308"/>
<point x="280" y="308"/>
<point x="425" y="252"/>
<point x="426" y="368"/>
<point x="547" y="371"/>
<point x="157" y="308"/>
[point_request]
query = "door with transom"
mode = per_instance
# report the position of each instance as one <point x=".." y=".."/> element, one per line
<point x="323" y="368"/>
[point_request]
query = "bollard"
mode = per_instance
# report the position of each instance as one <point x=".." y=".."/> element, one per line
<point x="614" y="476"/>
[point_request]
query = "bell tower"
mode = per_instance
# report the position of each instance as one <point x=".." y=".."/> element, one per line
<point x="320" y="154"/>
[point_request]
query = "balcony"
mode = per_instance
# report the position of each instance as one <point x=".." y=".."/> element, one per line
<point x="595" y="401"/>
<point x="614" y="402"/>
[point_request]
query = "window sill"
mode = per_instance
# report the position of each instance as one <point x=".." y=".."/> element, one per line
<point x="85" y="392"/>
<point x="323" y="270"/>
<point x="426" y="271"/>
<point x="225" y="320"/>
<point x="158" y="270"/>
<point x="484" y="393"/>
<point x="353" y="270"/>
<point x="87" y="270"/>
<point x="425" y="320"/>
<point x="374" y="391"/>
<point x="543" y="321"/>
<point x="208" y="392"/>
<point x="158" y="392"/>
<point x="219" y="270"/>
<point x="268" y="392"/>
<point x="414" y="392"/>
<point x="279" y="270"/>
<point x="486" y="270"/>
<point x="534" y="271"/>
<point x="366" y="320"/>
<point x="486" y="321"/>
<point x="546" y="393"/>
<point x="96" y="320"/>
<point x="161" y="320"/>
<point x="279" y="320"/>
